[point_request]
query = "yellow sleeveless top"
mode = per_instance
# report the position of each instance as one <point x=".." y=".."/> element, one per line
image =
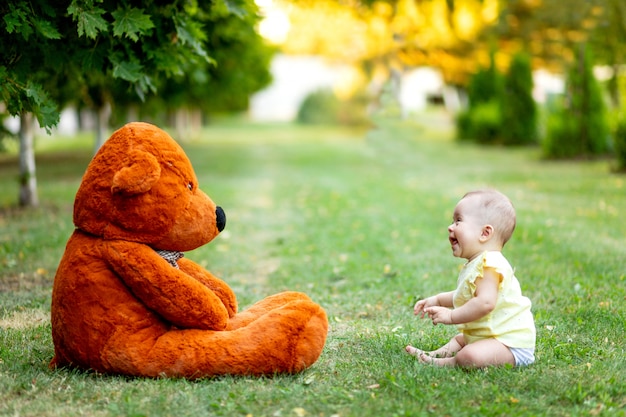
<point x="511" y="321"/>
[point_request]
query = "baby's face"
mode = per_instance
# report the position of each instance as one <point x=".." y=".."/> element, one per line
<point x="466" y="229"/>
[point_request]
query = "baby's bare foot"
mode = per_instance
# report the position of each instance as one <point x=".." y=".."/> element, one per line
<point x="425" y="358"/>
<point x="431" y="360"/>
<point x="415" y="351"/>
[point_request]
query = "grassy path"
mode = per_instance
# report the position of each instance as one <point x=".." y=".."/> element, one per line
<point x="358" y="221"/>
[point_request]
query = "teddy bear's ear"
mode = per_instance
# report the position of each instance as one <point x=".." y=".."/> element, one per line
<point x="140" y="173"/>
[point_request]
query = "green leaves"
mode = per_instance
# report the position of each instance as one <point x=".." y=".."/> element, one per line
<point x="16" y="20"/>
<point x="114" y="47"/>
<point x="46" y="29"/>
<point x="89" y="21"/>
<point x="126" y="70"/>
<point x="128" y="22"/>
<point x="131" y="22"/>
<point x="190" y="33"/>
<point x="42" y="105"/>
<point x="20" y="20"/>
<point x="236" y="7"/>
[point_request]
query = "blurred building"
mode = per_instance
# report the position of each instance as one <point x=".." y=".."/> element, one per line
<point x="295" y="77"/>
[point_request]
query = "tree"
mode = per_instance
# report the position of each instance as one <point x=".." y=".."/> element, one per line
<point x="95" y="44"/>
<point x="241" y="67"/>
<point x="607" y="41"/>
<point x="27" y="28"/>
<point x="620" y="144"/>
<point x="579" y="128"/>
<point x="486" y="84"/>
<point x="482" y="120"/>
<point x="552" y="31"/>
<point x="90" y="38"/>
<point x="28" y="180"/>
<point x="386" y="36"/>
<point x="519" y="111"/>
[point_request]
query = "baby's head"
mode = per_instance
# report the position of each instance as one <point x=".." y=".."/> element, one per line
<point x="494" y="208"/>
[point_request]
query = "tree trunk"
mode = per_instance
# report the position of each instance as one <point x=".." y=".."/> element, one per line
<point x="187" y="123"/>
<point x="613" y="86"/>
<point x="28" y="180"/>
<point x="102" y="124"/>
<point x="181" y="123"/>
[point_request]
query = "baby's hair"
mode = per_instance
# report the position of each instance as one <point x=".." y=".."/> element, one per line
<point x="498" y="211"/>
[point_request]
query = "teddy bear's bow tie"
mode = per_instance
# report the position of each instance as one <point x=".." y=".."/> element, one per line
<point x="170" y="256"/>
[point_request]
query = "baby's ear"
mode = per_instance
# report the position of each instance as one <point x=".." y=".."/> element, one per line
<point x="487" y="232"/>
<point x="139" y="173"/>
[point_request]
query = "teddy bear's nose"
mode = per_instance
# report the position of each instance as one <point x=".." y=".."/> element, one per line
<point x="220" y="218"/>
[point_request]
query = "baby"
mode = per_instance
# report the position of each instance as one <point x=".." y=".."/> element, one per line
<point x="494" y="318"/>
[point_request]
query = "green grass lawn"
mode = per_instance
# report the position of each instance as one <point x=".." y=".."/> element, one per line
<point x="358" y="221"/>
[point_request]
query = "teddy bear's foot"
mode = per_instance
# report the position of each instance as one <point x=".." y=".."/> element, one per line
<point x="292" y="337"/>
<point x="311" y="340"/>
<point x="287" y="339"/>
<point x="263" y="307"/>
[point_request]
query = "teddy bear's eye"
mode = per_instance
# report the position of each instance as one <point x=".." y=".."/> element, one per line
<point x="190" y="186"/>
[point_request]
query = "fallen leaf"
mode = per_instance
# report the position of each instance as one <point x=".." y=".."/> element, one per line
<point x="299" y="411"/>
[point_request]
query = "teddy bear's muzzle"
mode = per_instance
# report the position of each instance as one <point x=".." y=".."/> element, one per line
<point x="220" y="218"/>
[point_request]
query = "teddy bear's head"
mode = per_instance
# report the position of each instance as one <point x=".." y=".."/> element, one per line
<point x="141" y="187"/>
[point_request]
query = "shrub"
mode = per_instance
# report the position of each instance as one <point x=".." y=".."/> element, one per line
<point x="354" y="111"/>
<point x="584" y="129"/>
<point x="485" y="122"/>
<point x="319" y="107"/>
<point x="464" y="125"/>
<point x="482" y="121"/>
<point x="519" y="111"/>
<point x="485" y="85"/>
<point x="559" y="130"/>
<point x="323" y="107"/>
<point x="619" y="142"/>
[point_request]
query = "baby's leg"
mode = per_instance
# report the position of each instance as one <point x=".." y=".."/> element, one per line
<point x="487" y="352"/>
<point x="446" y="351"/>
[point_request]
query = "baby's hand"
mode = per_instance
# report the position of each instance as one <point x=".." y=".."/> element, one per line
<point x="421" y="305"/>
<point x="439" y="315"/>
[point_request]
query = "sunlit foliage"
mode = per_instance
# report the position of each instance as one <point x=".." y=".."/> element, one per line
<point x="456" y="36"/>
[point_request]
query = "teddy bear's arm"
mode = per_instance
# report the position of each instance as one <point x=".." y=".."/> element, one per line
<point x="170" y="292"/>
<point x="219" y="287"/>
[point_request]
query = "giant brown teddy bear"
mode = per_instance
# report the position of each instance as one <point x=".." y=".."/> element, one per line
<point x="125" y="301"/>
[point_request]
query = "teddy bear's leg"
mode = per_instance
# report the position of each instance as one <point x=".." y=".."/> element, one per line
<point x="264" y="306"/>
<point x="285" y="340"/>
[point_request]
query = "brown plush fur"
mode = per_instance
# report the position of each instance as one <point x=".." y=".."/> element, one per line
<point x="118" y="307"/>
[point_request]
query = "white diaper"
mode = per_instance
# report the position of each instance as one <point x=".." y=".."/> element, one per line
<point x="523" y="356"/>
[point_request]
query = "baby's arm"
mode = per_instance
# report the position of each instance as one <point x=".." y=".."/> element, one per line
<point x="483" y="303"/>
<point x="443" y="299"/>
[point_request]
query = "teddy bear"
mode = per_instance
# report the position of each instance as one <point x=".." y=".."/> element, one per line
<point x="126" y="301"/>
